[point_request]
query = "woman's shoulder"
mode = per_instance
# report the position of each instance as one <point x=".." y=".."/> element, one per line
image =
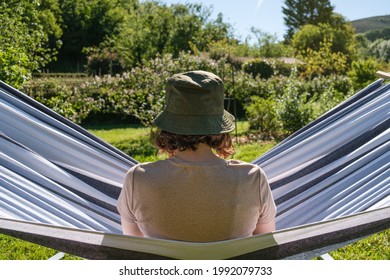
<point x="236" y="162"/>
<point x="172" y="163"/>
<point x="249" y="167"/>
<point x="148" y="166"/>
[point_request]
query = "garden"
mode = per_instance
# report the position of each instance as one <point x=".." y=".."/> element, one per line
<point x="112" y="82"/>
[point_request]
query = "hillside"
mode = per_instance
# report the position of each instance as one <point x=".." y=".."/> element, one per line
<point x="372" y="23"/>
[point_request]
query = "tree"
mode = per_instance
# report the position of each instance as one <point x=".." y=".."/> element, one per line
<point x="325" y="49"/>
<point x="374" y="35"/>
<point x="50" y="16"/>
<point x="145" y="33"/>
<point x="323" y="61"/>
<point x="312" y="36"/>
<point x="338" y="38"/>
<point x="380" y="49"/>
<point x="215" y="31"/>
<point x="301" y="12"/>
<point x="265" y="41"/>
<point x="26" y="28"/>
<point x="186" y="29"/>
<point x="86" y="24"/>
<point x="154" y="28"/>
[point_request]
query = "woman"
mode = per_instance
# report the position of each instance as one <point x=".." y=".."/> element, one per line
<point x="196" y="195"/>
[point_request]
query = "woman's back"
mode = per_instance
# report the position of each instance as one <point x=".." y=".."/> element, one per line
<point x="209" y="201"/>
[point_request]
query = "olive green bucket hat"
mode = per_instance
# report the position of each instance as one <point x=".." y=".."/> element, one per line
<point x="195" y="105"/>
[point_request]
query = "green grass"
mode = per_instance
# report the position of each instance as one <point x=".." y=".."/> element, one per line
<point x="250" y="151"/>
<point x="376" y="247"/>
<point x="16" y="249"/>
<point x="135" y="141"/>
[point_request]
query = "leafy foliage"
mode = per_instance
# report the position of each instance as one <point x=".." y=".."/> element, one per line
<point x="138" y="93"/>
<point x="85" y="24"/>
<point x="262" y="116"/>
<point x="114" y="36"/>
<point x="380" y="49"/>
<point x="26" y="29"/>
<point x="103" y="61"/>
<point x="15" y="66"/>
<point x="258" y="68"/>
<point x="283" y="105"/>
<point x="363" y="72"/>
<point x="267" y="45"/>
<point x="69" y="102"/>
<point x="326" y="49"/>
<point x="378" y="34"/>
<point x="294" y="111"/>
<point x="274" y="106"/>
<point x="323" y="61"/>
<point x="135" y="46"/>
<point x="298" y="13"/>
<point x="338" y="39"/>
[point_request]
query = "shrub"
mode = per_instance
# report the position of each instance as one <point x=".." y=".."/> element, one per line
<point x="282" y="68"/>
<point x="69" y="102"/>
<point x="262" y="116"/>
<point x="246" y="86"/>
<point x="285" y="108"/>
<point x="363" y="72"/>
<point x="326" y="100"/>
<point x="275" y="105"/>
<point x="258" y="68"/>
<point x="318" y="85"/>
<point x="294" y="112"/>
<point x="138" y="93"/>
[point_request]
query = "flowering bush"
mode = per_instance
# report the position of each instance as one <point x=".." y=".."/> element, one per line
<point x="275" y="106"/>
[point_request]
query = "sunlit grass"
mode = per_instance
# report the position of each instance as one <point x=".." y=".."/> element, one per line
<point x="119" y="133"/>
<point x="250" y="151"/>
<point x="133" y="140"/>
<point x="16" y="249"/>
<point x="376" y="247"/>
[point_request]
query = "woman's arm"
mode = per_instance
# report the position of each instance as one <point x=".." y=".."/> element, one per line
<point x="264" y="228"/>
<point x="130" y="228"/>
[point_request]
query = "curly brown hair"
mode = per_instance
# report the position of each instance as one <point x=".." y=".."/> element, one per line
<point x="170" y="142"/>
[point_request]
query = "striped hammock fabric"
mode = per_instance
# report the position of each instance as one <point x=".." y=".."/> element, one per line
<point x="330" y="180"/>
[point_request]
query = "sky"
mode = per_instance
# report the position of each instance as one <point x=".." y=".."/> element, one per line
<point x="267" y="14"/>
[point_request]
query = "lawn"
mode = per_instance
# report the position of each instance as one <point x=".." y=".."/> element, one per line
<point x="135" y="141"/>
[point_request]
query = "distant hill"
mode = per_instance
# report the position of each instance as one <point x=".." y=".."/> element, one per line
<point x="372" y="23"/>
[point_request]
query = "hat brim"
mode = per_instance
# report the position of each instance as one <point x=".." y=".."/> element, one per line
<point x="195" y="125"/>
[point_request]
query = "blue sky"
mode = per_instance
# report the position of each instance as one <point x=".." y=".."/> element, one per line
<point x="267" y="14"/>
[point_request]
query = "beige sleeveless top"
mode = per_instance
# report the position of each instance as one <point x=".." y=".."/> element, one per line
<point x="199" y="202"/>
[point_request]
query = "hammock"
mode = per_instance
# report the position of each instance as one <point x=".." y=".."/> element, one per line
<point x="330" y="180"/>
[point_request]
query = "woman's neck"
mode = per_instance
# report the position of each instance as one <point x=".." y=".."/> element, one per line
<point x="203" y="153"/>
